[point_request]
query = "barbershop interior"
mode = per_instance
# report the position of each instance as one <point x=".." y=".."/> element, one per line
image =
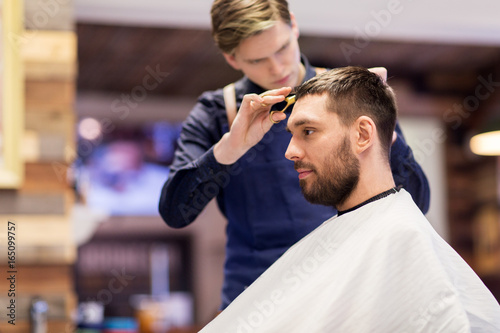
<point x="94" y="95"/>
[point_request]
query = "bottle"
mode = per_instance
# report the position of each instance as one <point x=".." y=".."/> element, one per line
<point x="38" y="315"/>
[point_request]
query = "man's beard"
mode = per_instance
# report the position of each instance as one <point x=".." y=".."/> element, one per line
<point x="338" y="180"/>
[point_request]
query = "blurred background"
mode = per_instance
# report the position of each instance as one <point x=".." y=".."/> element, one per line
<point x="106" y="87"/>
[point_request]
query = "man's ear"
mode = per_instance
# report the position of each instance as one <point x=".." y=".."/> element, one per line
<point x="231" y="60"/>
<point x="365" y="131"/>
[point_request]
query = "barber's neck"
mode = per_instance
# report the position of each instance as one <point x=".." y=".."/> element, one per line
<point x="373" y="180"/>
<point x="302" y="74"/>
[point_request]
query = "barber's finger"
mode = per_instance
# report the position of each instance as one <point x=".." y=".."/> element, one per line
<point x="380" y="71"/>
<point x="252" y="103"/>
<point x="275" y="92"/>
<point x="268" y="101"/>
<point x="276" y="117"/>
<point x="274" y="96"/>
<point x="265" y="102"/>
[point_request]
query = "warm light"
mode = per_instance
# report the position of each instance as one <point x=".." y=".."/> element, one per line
<point x="486" y="143"/>
<point x="89" y="129"/>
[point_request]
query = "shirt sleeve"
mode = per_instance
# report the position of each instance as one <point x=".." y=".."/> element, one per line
<point x="195" y="176"/>
<point x="407" y="172"/>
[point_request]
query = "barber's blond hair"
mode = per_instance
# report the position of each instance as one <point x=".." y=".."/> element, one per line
<point x="235" y="20"/>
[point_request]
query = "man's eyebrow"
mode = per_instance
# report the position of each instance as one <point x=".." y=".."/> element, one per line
<point x="298" y="124"/>
<point x="253" y="60"/>
<point x="285" y="44"/>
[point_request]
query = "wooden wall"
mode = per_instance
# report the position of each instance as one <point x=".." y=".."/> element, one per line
<point x="41" y="208"/>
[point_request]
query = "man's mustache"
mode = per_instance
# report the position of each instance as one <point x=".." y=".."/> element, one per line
<point x="303" y="165"/>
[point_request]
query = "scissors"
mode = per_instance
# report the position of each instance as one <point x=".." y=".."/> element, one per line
<point x="289" y="101"/>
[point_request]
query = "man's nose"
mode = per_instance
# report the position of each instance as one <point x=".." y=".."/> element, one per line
<point x="293" y="152"/>
<point x="275" y="65"/>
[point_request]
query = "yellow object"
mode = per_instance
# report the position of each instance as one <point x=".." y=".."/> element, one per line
<point x="12" y="107"/>
<point x="486" y="143"/>
<point x="289" y="101"/>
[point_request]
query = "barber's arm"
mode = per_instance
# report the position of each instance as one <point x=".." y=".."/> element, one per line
<point x="405" y="169"/>
<point x="407" y="172"/>
<point x="185" y="193"/>
<point x="200" y="163"/>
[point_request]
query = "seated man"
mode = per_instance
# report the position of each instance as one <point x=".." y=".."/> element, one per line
<point x="376" y="266"/>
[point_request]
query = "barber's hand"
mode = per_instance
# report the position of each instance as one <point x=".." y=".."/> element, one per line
<point x="380" y="71"/>
<point x="250" y="125"/>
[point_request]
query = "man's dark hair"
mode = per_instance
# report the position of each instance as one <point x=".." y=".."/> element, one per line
<point x="354" y="92"/>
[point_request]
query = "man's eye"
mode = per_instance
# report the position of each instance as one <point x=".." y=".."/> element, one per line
<point x="308" y="132"/>
<point x="283" y="48"/>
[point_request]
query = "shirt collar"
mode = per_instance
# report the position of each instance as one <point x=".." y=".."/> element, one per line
<point x="374" y="198"/>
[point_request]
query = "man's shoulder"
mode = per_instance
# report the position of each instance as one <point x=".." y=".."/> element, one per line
<point x="398" y="216"/>
<point x="210" y="104"/>
<point x="210" y="108"/>
<point x="215" y="97"/>
<point x="211" y="96"/>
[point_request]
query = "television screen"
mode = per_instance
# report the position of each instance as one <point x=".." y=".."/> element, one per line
<point x="122" y="172"/>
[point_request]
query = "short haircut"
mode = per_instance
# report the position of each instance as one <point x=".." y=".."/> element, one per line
<point x="235" y="20"/>
<point x="354" y="92"/>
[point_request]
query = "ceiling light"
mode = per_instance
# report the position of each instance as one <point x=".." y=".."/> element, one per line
<point x="488" y="141"/>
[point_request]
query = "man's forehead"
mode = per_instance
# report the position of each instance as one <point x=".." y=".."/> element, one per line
<point x="265" y="43"/>
<point x="309" y="109"/>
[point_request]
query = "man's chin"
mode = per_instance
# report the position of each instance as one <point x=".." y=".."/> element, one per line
<point x="308" y="194"/>
<point x="316" y="198"/>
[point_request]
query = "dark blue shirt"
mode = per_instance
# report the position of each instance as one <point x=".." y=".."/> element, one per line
<point x="260" y="194"/>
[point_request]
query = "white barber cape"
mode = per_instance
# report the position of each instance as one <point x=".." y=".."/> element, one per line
<point x="380" y="268"/>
